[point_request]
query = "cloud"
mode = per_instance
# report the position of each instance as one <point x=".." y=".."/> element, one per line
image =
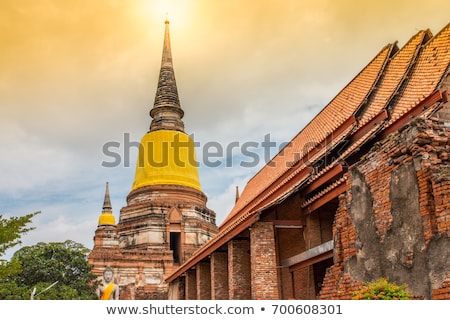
<point x="28" y="162"/>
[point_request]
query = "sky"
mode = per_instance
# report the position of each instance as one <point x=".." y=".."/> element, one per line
<point x="77" y="75"/>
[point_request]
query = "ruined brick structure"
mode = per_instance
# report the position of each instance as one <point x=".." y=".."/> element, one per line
<point x="361" y="192"/>
<point x="166" y="218"/>
<point x="394" y="218"/>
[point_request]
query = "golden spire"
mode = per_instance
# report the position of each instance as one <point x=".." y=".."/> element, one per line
<point x="166" y="111"/>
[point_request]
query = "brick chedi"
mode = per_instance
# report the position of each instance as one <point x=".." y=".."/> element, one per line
<point x="166" y="218"/>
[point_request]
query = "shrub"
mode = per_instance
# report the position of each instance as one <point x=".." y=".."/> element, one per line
<point x="382" y="289"/>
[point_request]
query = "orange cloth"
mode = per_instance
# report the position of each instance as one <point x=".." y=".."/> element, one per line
<point x="107" y="293"/>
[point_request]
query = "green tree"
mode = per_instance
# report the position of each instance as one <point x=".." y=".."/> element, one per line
<point x="44" y="264"/>
<point x="11" y="230"/>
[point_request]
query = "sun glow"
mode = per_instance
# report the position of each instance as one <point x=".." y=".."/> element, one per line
<point x="178" y="11"/>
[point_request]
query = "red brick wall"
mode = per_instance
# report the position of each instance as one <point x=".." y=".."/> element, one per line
<point x="203" y="275"/>
<point x="191" y="285"/>
<point x="239" y="271"/>
<point x="263" y="262"/>
<point x="304" y="283"/>
<point x="219" y="275"/>
<point x="442" y="293"/>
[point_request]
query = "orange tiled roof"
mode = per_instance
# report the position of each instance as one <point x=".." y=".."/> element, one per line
<point x="340" y="109"/>
<point x="409" y="76"/>
<point x="411" y="63"/>
<point x="389" y="86"/>
<point x="431" y="67"/>
<point x="394" y="75"/>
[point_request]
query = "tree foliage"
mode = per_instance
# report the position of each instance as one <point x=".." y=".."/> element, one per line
<point x="44" y="264"/>
<point x="11" y="230"/>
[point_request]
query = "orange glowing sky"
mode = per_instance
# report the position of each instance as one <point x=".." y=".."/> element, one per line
<point x="77" y="74"/>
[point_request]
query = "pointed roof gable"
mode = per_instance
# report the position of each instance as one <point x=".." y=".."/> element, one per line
<point x="174" y="215"/>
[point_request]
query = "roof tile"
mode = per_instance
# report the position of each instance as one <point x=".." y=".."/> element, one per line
<point x="340" y="109"/>
<point x="429" y="71"/>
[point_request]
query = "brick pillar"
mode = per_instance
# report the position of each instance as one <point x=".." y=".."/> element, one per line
<point x="191" y="285"/>
<point x="239" y="285"/>
<point x="203" y="271"/>
<point x="219" y="275"/>
<point x="264" y="274"/>
<point x="181" y="288"/>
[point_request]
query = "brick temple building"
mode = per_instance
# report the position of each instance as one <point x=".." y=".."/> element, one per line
<point x="361" y="192"/>
<point x="166" y="218"/>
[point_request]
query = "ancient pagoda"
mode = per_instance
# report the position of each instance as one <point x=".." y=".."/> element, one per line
<point x="166" y="218"/>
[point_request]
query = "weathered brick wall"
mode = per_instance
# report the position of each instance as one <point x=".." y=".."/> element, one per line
<point x="177" y="289"/>
<point x="264" y="272"/>
<point x="150" y="292"/>
<point x="203" y="281"/>
<point x="127" y="292"/>
<point x="442" y="293"/>
<point x="239" y="282"/>
<point x="394" y="219"/>
<point x="219" y="275"/>
<point x="303" y="282"/>
<point x="191" y="285"/>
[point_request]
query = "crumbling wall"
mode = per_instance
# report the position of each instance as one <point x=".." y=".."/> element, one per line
<point x="394" y="219"/>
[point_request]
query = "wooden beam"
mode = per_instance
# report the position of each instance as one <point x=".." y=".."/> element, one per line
<point x="361" y="132"/>
<point x="312" y="261"/>
<point x="311" y="256"/>
<point x="279" y="192"/>
<point x="331" y="174"/>
<point x="327" y="197"/>
<point x="288" y="224"/>
<point x="436" y="96"/>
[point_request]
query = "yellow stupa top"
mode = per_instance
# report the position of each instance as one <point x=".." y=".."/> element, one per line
<point x="106" y="217"/>
<point x="166" y="153"/>
<point x="166" y="157"/>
